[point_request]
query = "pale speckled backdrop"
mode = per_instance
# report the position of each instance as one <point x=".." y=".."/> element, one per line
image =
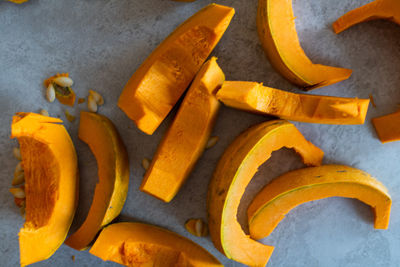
<point x="101" y="43"/>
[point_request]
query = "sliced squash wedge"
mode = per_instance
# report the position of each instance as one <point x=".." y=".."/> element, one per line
<point x="160" y="81"/>
<point x="388" y="127"/>
<point x="185" y="140"/>
<point x="51" y="184"/>
<point x="291" y="189"/>
<point x="255" y="97"/>
<point x="139" y="244"/>
<point x="113" y="170"/>
<point x="234" y="171"/>
<point x="378" y="9"/>
<point x="277" y="32"/>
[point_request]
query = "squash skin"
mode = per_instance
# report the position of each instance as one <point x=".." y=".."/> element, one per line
<point x="378" y="9"/>
<point x="160" y="81"/>
<point x="186" y="138"/>
<point x="387" y="127"/>
<point x="154" y="246"/>
<point x="291" y="189"/>
<point x="256" y="98"/>
<point x="40" y="238"/>
<point x="278" y="36"/>
<point x="234" y="171"/>
<point x="113" y="170"/>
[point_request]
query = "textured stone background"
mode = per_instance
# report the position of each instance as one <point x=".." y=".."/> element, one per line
<point x="101" y="43"/>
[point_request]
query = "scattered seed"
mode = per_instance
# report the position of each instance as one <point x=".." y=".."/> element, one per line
<point x="17" y="192"/>
<point x="69" y="116"/>
<point x="97" y="97"/>
<point x="146" y="163"/>
<point x="372" y="100"/>
<point x="19" y="201"/>
<point x="50" y="93"/>
<point x="73" y="257"/>
<point x="212" y="141"/>
<point x="17" y="153"/>
<point x="63" y="81"/>
<point x="19" y="177"/>
<point x="196" y="227"/>
<point x="44" y="112"/>
<point x="81" y="100"/>
<point x="22" y="210"/>
<point x="92" y="105"/>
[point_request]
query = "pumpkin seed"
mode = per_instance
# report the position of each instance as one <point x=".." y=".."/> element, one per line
<point x="17" y="192"/>
<point x="17" y="153"/>
<point x="146" y="163"/>
<point x="63" y="81"/>
<point x="212" y="141"/>
<point x="19" y="176"/>
<point x="22" y="209"/>
<point x="97" y="97"/>
<point x="196" y="227"/>
<point x="50" y="93"/>
<point x="44" y="112"/>
<point x="69" y="116"/>
<point x="92" y="105"/>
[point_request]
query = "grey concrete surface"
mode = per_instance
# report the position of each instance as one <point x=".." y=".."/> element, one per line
<point x="101" y="43"/>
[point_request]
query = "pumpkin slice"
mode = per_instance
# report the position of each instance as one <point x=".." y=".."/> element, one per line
<point x="291" y="189"/>
<point x="277" y="32"/>
<point x="388" y="127"/>
<point x="234" y="171"/>
<point x="185" y="140"/>
<point x="51" y="178"/>
<point x="113" y="170"/>
<point x="139" y="244"/>
<point x="378" y="9"/>
<point x="255" y="97"/>
<point x="160" y="81"/>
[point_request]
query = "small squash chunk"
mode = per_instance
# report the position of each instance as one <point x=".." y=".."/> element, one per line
<point x="234" y="171"/>
<point x="113" y="170"/>
<point x="187" y="137"/>
<point x="378" y="9"/>
<point x="388" y="127"/>
<point x="277" y="32"/>
<point x="160" y="81"/>
<point x="291" y="189"/>
<point x="255" y="97"/>
<point x="51" y="168"/>
<point x="139" y="244"/>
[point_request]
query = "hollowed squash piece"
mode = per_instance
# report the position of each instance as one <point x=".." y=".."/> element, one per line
<point x="113" y="170"/>
<point x="139" y="244"/>
<point x="291" y="189"/>
<point x="388" y="127"/>
<point x="51" y="178"/>
<point x="378" y="9"/>
<point x="255" y="97"/>
<point x="160" y="81"/>
<point x="185" y="140"/>
<point x="234" y="171"/>
<point x="277" y="32"/>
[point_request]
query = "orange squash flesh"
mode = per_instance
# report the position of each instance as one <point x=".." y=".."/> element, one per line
<point x="234" y="171"/>
<point x="277" y="32"/>
<point x="113" y="170"/>
<point x="255" y="97"/>
<point x="139" y="244"/>
<point x="378" y="9"/>
<point x="388" y="127"/>
<point x="50" y="166"/>
<point x="185" y="140"/>
<point x="291" y="189"/>
<point x="160" y="81"/>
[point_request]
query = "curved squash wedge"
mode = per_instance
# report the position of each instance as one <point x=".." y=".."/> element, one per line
<point x="113" y="170"/>
<point x="378" y="9"/>
<point x="277" y="32"/>
<point x="291" y="189"/>
<point x="159" y="82"/>
<point x="139" y="244"/>
<point x="234" y="171"/>
<point x="185" y="140"/>
<point x="255" y="97"/>
<point x="51" y="178"/>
